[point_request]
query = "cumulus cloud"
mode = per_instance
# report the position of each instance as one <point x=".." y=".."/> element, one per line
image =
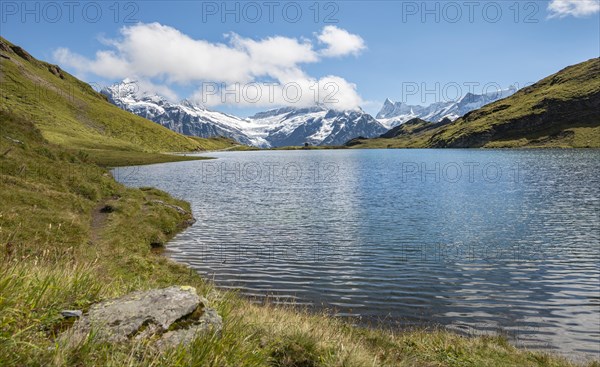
<point x="147" y="86"/>
<point x="274" y="55"/>
<point x="340" y="42"/>
<point x="106" y="63"/>
<point x="330" y="91"/>
<point x="576" y="8"/>
<point x="158" y="56"/>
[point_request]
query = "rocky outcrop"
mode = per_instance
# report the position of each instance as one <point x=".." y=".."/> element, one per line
<point x="22" y="53"/>
<point x="170" y="316"/>
<point x="54" y="69"/>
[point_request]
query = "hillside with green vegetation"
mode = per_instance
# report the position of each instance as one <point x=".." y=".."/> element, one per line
<point x="68" y="112"/>
<point x="562" y="111"/>
<point x="71" y="236"/>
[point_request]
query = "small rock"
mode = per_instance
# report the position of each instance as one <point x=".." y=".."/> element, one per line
<point x="71" y="313"/>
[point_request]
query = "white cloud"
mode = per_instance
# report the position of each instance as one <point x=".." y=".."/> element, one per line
<point x="576" y="8"/>
<point x="146" y="86"/>
<point x="272" y="55"/>
<point x="106" y="64"/>
<point x="158" y="56"/>
<point x="340" y="42"/>
<point x="331" y="91"/>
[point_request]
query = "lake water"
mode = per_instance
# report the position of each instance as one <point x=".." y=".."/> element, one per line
<point x="480" y="241"/>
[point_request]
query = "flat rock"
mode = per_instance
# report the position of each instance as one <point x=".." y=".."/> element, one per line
<point x="146" y="314"/>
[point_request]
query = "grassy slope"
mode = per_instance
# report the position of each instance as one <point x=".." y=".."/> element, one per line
<point x="562" y="110"/>
<point x="59" y="251"/>
<point x="70" y="113"/>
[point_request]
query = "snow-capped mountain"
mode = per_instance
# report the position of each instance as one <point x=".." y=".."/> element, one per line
<point x="280" y="127"/>
<point x="395" y="113"/>
<point x="316" y="126"/>
<point x="185" y="117"/>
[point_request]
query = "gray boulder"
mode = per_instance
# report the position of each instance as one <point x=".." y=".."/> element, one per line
<point x="173" y="315"/>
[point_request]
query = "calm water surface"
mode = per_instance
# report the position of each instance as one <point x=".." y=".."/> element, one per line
<point x="479" y="241"/>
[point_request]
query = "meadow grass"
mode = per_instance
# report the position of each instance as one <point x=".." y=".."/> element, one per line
<point x="120" y="158"/>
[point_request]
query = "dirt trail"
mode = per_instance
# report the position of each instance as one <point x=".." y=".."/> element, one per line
<point x="99" y="215"/>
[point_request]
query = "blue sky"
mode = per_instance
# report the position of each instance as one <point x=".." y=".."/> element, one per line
<point x="410" y="51"/>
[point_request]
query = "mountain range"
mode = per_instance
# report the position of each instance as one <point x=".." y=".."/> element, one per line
<point x="275" y="128"/>
<point x="393" y="114"/>
<point x="287" y="126"/>
<point x="184" y="117"/>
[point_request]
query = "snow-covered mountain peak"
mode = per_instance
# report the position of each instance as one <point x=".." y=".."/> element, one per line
<point x="190" y="104"/>
<point x="125" y="90"/>
<point x="316" y="125"/>
<point x="395" y="113"/>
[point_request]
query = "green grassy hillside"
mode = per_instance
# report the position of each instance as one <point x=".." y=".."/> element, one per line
<point x="68" y="112"/>
<point x="562" y="110"/>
